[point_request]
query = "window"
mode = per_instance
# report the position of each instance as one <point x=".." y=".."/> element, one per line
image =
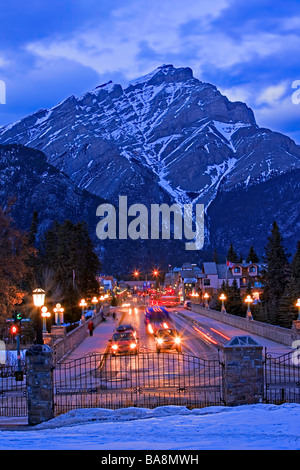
<point x="237" y="270"/>
<point x="252" y="269"/>
<point x="206" y="282"/>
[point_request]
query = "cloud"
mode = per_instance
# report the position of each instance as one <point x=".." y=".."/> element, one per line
<point x="250" y="51"/>
<point x="115" y="45"/>
<point x="272" y="94"/>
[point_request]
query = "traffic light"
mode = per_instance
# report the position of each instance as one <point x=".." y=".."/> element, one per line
<point x="14" y="330"/>
<point x="17" y="317"/>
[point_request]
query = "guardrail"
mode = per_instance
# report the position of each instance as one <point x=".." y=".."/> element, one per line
<point x="271" y="332"/>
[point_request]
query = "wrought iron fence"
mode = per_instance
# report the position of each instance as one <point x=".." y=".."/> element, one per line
<point x="144" y="380"/>
<point x="13" y="391"/>
<point x="282" y="379"/>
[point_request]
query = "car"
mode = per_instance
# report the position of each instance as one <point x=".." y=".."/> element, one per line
<point x="123" y="342"/>
<point x="187" y="304"/>
<point x="122" y="328"/>
<point x="168" y="338"/>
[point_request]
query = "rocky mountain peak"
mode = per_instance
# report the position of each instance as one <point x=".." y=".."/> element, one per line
<point x="166" y="136"/>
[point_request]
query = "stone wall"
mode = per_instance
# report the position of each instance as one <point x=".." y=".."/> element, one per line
<point x="243" y="379"/>
<point x="39" y="382"/>
<point x="272" y="332"/>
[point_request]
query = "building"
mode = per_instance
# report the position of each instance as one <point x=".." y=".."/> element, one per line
<point x="107" y="282"/>
<point x="192" y="279"/>
<point x="245" y="274"/>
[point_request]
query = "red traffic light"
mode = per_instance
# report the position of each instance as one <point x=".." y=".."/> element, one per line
<point x="14" y="330"/>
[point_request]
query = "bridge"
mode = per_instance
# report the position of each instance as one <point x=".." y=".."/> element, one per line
<point x="219" y="355"/>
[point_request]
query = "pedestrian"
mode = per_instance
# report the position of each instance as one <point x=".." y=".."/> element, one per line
<point x="91" y="327"/>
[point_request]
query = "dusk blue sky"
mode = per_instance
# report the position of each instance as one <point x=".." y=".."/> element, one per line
<point x="249" y="50"/>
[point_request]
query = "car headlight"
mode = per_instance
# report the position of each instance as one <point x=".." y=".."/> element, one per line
<point x="177" y="340"/>
<point x="165" y="325"/>
<point x="150" y="329"/>
<point x="114" y="347"/>
<point x="133" y="346"/>
<point x="160" y="341"/>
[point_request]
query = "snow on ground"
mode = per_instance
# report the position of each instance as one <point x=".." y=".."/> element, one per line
<point x="249" y="427"/>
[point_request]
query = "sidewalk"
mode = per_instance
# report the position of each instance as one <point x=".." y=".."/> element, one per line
<point x="96" y="343"/>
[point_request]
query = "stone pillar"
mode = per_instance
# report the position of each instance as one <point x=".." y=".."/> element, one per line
<point x="243" y="372"/>
<point x="39" y="380"/>
<point x="58" y="332"/>
<point x="295" y="334"/>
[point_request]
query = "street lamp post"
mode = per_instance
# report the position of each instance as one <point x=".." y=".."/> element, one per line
<point x="38" y="296"/>
<point x="82" y="304"/>
<point x="45" y="315"/>
<point x="298" y="305"/>
<point x="249" y="301"/>
<point x="223" y="298"/>
<point x="206" y="297"/>
<point x="59" y="314"/>
<point x="94" y="302"/>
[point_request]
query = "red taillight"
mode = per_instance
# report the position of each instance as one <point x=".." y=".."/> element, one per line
<point x="14" y="330"/>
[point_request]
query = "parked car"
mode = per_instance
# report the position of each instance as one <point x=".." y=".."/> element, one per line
<point x="187" y="304"/>
<point x="168" y="338"/>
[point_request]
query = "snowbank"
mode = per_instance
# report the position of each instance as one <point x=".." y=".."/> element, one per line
<point x="255" y="427"/>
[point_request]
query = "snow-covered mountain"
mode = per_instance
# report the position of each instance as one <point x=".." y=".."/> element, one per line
<point x="166" y="137"/>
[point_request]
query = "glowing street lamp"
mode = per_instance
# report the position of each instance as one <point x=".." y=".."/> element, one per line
<point x="45" y="315"/>
<point x="38" y="297"/>
<point x="59" y="314"/>
<point x="298" y="305"/>
<point x="249" y="301"/>
<point x="223" y="298"/>
<point x="82" y="304"/>
<point x="206" y="297"/>
<point x="94" y="302"/>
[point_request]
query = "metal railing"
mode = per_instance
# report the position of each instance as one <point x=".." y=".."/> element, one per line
<point x="282" y="379"/>
<point x="144" y="380"/>
<point x="13" y="391"/>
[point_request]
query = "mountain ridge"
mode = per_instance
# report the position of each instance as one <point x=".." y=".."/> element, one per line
<point x="166" y="137"/>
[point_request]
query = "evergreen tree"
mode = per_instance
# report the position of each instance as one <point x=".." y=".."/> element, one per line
<point x="274" y="277"/>
<point x="234" y="303"/>
<point x="232" y="255"/>
<point x="33" y="229"/>
<point x="33" y="261"/>
<point x="295" y="268"/>
<point x="68" y="252"/>
<point x="252" y="256"/>
<point x="288" y="309"/>
<point x="15" y="252"/>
